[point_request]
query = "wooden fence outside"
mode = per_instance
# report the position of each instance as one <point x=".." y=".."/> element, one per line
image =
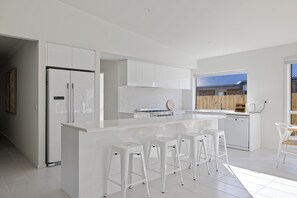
<point x="214" y="102"/>
<point x="294" y="108"/>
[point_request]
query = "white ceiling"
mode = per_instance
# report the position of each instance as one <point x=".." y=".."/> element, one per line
<point x="202" y="28"/>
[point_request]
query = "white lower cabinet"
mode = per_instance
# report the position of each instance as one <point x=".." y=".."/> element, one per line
<point x="242" y="131"/>
<point x="237" y="131"/>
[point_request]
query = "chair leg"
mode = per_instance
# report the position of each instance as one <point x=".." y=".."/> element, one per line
<point x="130" y="170"/>
<point x="174" y="157"/>
<point x="144" y="172"/>
<point x="179" y="165"/>
<point x="278" y="155"/>
<point x="124" y="173"/>
<point x="107" y="173"/>
<point x="216" y="150"/>
<point x="200" y="151"/>
<point x="180" y="145"/>
<point x="211" y="150"/>
<point x="148" y="154"/>
<point x="193" y="146"/>
<point x="163" y="166"/>
<point x="285" y="154"/>
<point x="225" y="148"/>
<point x="158" y="152"/>
<point x="206" y="158"/>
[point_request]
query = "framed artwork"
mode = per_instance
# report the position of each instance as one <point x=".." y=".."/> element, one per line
<point x="13" y="91"/>
<point x="7" y="100"/>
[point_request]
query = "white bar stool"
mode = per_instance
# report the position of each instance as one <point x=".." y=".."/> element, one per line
<point x="216" y="135"/>
<point x="126" y="150"/>
<point x="163" y="143"/>
<point x="195" y="155"/>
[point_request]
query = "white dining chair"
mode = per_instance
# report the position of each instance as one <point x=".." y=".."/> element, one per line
<point x="285" y="141"/>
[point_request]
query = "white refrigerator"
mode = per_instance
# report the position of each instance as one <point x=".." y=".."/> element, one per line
<point x="70" y="98"/>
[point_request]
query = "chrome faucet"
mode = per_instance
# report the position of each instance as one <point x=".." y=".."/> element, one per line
<point x="219" y="101"/>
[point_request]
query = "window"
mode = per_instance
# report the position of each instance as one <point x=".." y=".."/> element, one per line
<point x="214" y="92"/>
<point x="293" y="93"/>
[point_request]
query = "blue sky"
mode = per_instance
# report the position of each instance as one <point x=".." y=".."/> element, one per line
<point x="294" y="70"/>
<point x="233" y="79"/>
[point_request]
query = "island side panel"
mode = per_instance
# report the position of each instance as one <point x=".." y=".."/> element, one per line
<point x="69" y="166"/>
<point x="94" y="151"/>
<point x="255" y="131"/>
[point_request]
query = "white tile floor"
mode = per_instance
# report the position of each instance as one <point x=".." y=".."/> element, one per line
<point x="256" y="176"/>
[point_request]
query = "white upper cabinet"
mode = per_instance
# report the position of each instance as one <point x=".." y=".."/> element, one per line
<point x="173" y="78"/>
<point x="136" y="73"/>
<point x="130" y="73"/>
<point x="161" y="76"/>
<point x="59" y="55"/>
<point x="83" y="59"/>
<point x="70" y="57"/>
<point x="148" y="75"/>
<point x="185" y="79"/>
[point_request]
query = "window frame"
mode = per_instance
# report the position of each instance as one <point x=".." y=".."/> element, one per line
<point x="219" y="73"/>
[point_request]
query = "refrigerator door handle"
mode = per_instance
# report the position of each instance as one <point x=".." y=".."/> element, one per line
<point x="68" y="103"/>
<point x="72" y="86"/>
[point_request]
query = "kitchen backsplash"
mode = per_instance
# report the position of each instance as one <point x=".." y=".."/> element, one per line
<point x="131" y="98"/>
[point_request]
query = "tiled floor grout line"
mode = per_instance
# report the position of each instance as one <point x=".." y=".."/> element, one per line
<point x="265" y="186"/>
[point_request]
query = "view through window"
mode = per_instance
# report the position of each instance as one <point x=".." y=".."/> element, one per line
<point x="293" y="93"/>
<point x="221" y="92"/>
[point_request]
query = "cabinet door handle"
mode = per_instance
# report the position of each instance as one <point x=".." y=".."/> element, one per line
<point x="68" y="103"/>
<point x="72" y="102"/>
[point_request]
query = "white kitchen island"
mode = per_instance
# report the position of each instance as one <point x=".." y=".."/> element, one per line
<point x="86" y="146"/>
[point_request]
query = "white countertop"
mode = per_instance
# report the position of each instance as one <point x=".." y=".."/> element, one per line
<point x="139" y="122"/>
<point x="140" y="112"/>
<point x="219" y="112"/>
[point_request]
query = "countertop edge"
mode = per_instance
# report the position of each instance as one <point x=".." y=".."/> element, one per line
<point x="135" y="125"/>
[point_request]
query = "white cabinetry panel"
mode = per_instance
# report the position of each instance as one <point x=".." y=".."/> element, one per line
<point x="59" y="55"/>
<point x="185" y="79"/>
<point x="148" y="75"/>
<point x="83" y="59"/>
<point x="237" y="131"/>
<point x="70" y="57"/>
<point x="134" y="73"/>
<point x="161" y="76"/>
<point x="173" y="78"/>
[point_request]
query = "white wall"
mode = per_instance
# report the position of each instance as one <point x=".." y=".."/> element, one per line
<point x="53" y="21"/>
<point x="131" y="98"/>
<point x="266" y="81"/>
<point x="110" y="71"/>
<point x="22" y="128"/>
